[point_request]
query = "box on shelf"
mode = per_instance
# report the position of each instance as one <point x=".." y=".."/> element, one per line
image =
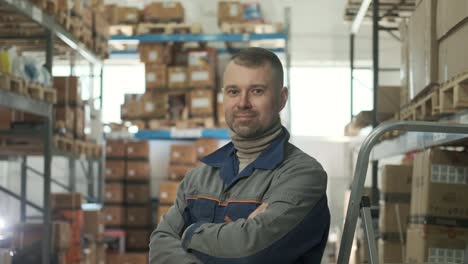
<point x="162" y="211"/>
<point x="115" y="170"/>
<point x="178" y="172"/>
<point x="183" y="154"/>
<point x="64" y="118"/>
<point x="138" y="240"/>
<point x="62" y="235"/>
<point x="78" y="128"/>
<point x="127" y="15"/>
<point x="388" y="99"/>
<point x="76" y="220"/>
<point x="138" y="170"/>
<point x="202" y="57"/>
<point x="101" y="253"/>
<point x="396" y="179"/>
<point x="66" y="201"/>
<point x="393" y="217"/>
<point x="439" y="186"/>
<point x="155" y="105"/>
<point x="206" y="146"/>
<point x="114" y="215"/>
<point x="94" y="221"/>
<point x="201" y="76"/>
<point x="137" y="193"/>
<point x="201" y="102"/>
<point x="164" y="12"/>
<point x="177" y="77"/>
<point x="138" y="216"/>
<point x="156" y="76"/>
<point x="132" y="109"/>
<point x="436" y="244"/>
<point x="154" y="53"/>
<point x="423" y="48"/>
<point x="68" y="90"/>
<point x="138" y="149"/>
<point x="113" y="193"/>
<point x="391" y="251"/>
<point x="115" y="148"/>
<point x="168" y="192"/>
<point x="230" y="12"/>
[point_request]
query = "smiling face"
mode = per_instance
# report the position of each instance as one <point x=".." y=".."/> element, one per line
<point x="252" y="99"/>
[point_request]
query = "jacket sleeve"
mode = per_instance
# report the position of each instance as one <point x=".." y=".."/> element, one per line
<point x="294" y="225"/>
<point x="165" y="242"/>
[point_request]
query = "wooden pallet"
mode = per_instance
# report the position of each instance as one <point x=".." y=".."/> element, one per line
<point x="50" y="95"/>
<point x="64" y="20"/>
<point x="35" y="91"/>
<point x="427" y="108"/>
<point x="63" y="144"/>
<point x="170" y="28"/>
<point x="17" y="85"/>
<point x="237" y="28"/>
<point x="454" y="94"/>
<point x="79" y="147"/>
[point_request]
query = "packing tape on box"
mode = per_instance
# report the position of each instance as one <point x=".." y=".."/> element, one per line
<point x="441" y="221"/>
<point x="395" y="197"/>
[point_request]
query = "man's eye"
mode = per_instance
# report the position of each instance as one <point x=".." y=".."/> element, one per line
<point x="232" y="92"/>
<point x="257" y="91"/>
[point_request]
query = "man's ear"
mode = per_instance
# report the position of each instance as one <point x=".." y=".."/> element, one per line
<point x="284" y="94"/>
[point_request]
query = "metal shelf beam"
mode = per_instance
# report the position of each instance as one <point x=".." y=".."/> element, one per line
<point x="197" y="37"/>
<point x="195" y="133"/>
<point x="25" y="104"/>
<point x="48" y="22"/>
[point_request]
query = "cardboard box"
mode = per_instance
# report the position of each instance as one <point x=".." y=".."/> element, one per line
<point x="439" y="185"/>
<point x="452" y="62"/>
<point x="388" y="101"/>
<point x="449" y="15"/>
<point x="391" y="251"/>
<point x="101" y="253"/>
<point x="138" y="170"/>
<point x="76" y="220"/>
<point x="220" y="111"/>
<point x="230" y="12"/>
<point x="126" y="258"/>
<point x="89" y="255"/>
<point x="133" y="109"/>
<point x="164" y="12"/>
<point x="436" y="244"/>
<point x="114" y="193"/>
<point x="202" y="57"/>
<point x="206" y="146"/>
<point x="68" y="90"/>
<point x="404" y="66"/>
<point x="66" y="201"/>
<point x="154" y="53"/>
<point x="137" y="193"/>
<point x="94" y="222"/>
<point x="168" y="192"/>
<point x="396" y="179"/>
<point x="127" y="15"/>
<point x="62" y="235"/>
<point x="183" y="154"/>
<point x="138" y="149"/>
<point x="178" y="172"/>
<point x="162" y="211"/>
<point x="64" y="118"/>
<point x="115" y="170"/>
<point x="177" y="77"/>
<point x="423" y="48"/>
<point x="201" y="76"/>
<point x="155" y="76"/>
<point x="393" y="218"/>
<point x="138" y="216"/>
<point x="78" y="128"/>
<point x="138" y="240"/>
<point x="201" y="102"/>
<point x="114" y="215"/>
<point x="155" y="105"/>
<point x="73" y="254"/>
<point x="115" y="148"/>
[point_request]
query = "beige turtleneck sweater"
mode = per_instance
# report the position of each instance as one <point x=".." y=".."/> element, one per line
<point x="248" y="149"/>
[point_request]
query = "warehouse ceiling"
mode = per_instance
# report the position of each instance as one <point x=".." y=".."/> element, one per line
<point x="320" y="36"/>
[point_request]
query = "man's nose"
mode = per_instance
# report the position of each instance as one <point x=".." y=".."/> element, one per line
<point x="244" y="101"/>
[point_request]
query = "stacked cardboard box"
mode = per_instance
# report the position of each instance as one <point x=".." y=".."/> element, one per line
<point x="93" y="232"/>
<point x="184" y="157"/>
<point x="127" y="191"/>
<point x="164" y="12"/>
<point x="439" y="206"/>
<point x="67" y="207"/>
<point x="394" y="210"/>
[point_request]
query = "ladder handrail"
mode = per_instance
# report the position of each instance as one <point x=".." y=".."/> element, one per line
<point x="361" y="170"/>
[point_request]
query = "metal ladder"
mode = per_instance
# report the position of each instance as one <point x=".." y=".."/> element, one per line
<point x="360" y="205"/>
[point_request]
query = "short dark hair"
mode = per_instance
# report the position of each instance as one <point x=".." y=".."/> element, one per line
<point x="256" y="57"/>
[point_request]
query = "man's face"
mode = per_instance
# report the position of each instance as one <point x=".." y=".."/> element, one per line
<point x="252" y="101"/>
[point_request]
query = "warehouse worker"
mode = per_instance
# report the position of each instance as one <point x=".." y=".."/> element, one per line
<point x="258" y="199"/>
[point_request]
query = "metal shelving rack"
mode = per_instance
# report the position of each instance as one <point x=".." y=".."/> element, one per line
<point x="52" y="32"/>
<point x="204" y="38"/>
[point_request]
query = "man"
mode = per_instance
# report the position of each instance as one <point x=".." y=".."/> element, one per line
<point x="258" y="199"/>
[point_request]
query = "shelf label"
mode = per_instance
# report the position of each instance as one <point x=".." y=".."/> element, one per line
<point x="439" y="136"/>
<point x="186" y="133"/>
<point x="37" y="14"/>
